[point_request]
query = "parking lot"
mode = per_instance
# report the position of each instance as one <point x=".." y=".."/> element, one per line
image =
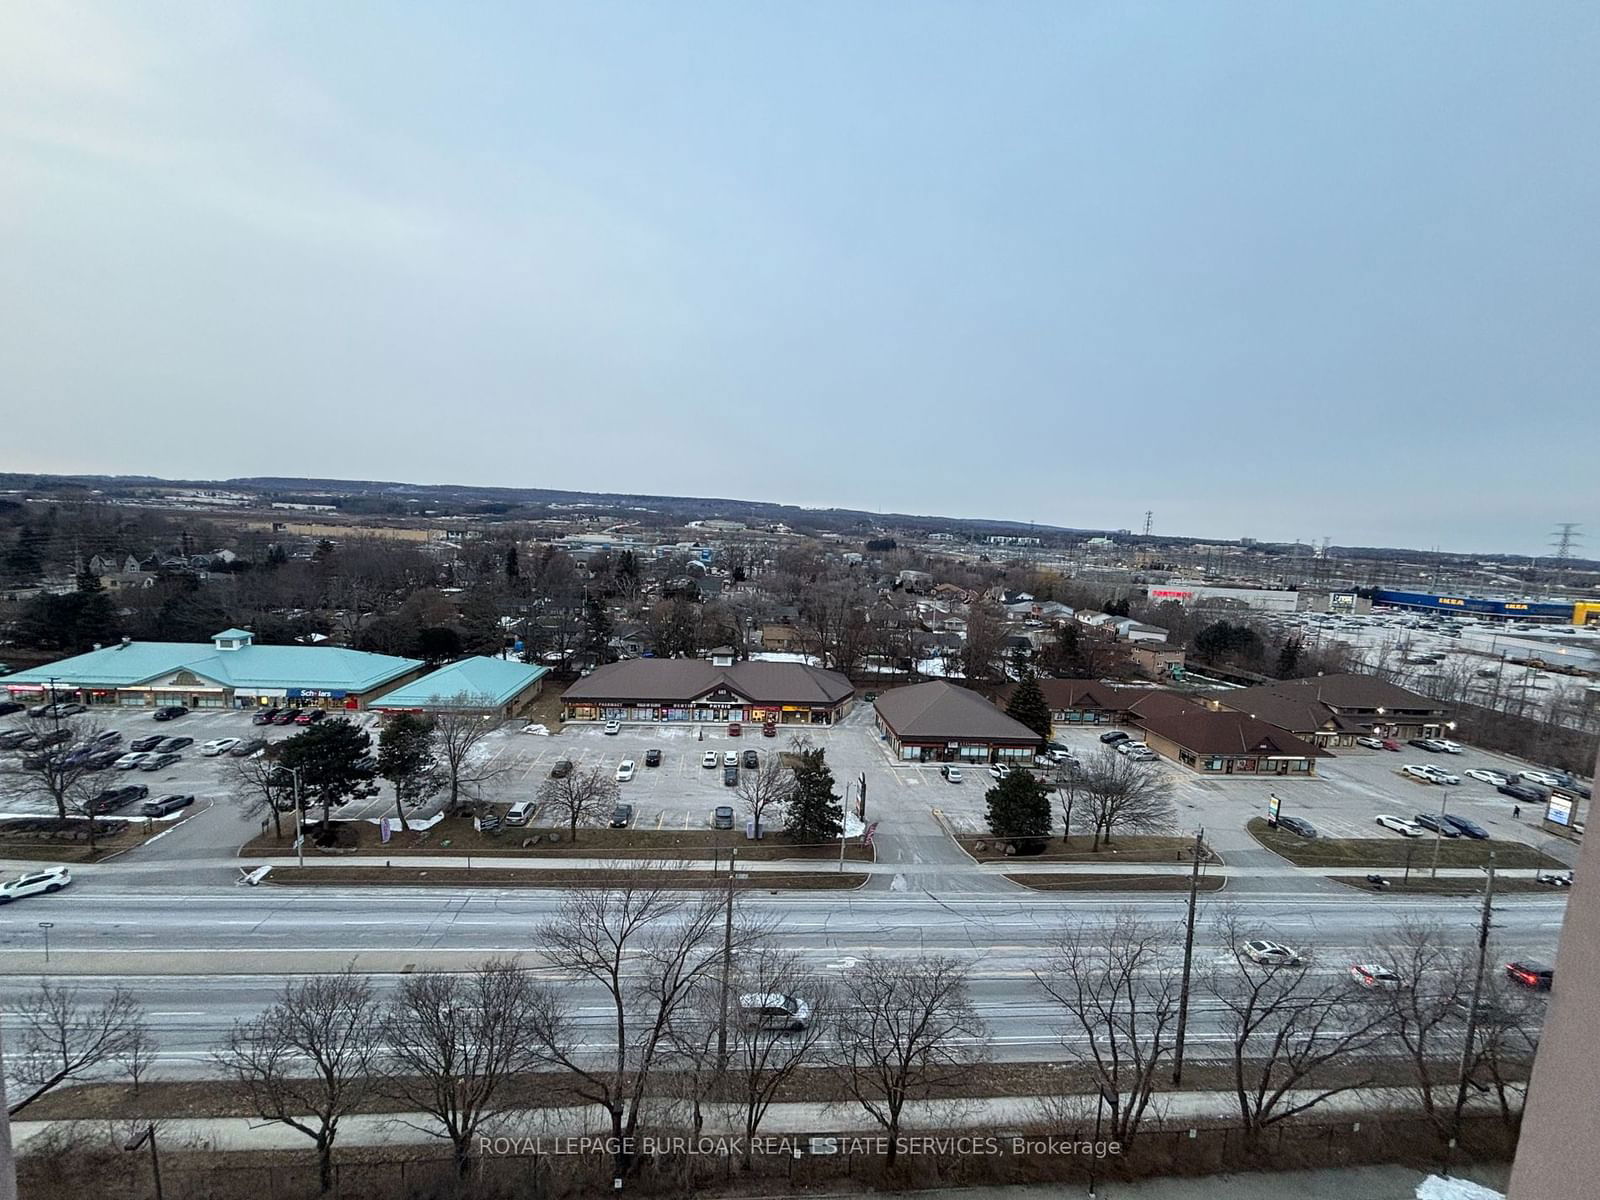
<point x="1343" y="800"/>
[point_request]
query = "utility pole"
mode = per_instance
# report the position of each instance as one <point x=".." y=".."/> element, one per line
<point x="1477" y="994"/>
<point x="1188" y="959"/>
<point x="727" y="970"/>
<point x="8" y="1161"/>
<point x="299" y="825"/>
<point x="1438" y="834"/>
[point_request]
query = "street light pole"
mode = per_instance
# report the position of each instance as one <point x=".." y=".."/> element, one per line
<point x="1477" y="995"/>
<point x="299" y="824"/>
<point x="1438" y="834"/>
<point x="1188" y="960"/>
<point x="149" y="1135"/>
<point x="727" y="970"/>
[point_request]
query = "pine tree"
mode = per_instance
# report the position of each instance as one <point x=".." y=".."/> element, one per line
<point x="814" y="813"/>
<point x="1289" y="658"/>
<point x="1019" y="807"/>
<point x="597" y="632"/>
<point x="1029" y="706"/>
<point x="405" y="751"/>
<point x="513" y="569"/>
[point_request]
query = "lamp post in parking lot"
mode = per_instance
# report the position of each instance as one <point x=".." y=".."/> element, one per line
<point x="1438" y="833"/>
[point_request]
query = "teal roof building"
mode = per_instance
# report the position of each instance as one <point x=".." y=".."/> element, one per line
<point x="230" y="668"/>
<point x="472" y="685"/>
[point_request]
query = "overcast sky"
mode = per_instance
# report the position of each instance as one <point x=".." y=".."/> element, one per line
<point x="1272" y="270"/>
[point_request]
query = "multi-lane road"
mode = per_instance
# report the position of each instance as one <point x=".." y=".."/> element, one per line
<point x="200" y="956"/>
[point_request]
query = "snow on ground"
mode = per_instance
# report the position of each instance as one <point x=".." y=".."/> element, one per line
<point x="1436" y="1187"/>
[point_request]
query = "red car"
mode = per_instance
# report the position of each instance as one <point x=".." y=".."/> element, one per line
<point x="310" y="717"/>
<point x="733" y="729"/>
<point x="1391" y="744"/>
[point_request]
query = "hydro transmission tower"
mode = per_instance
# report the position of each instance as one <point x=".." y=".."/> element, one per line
<point x="1562" y="543"/>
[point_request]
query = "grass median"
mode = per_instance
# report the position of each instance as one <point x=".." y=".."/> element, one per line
<point x="1096" y="882"/>
<point x="773" y="881"/>
<point x="1394" y="852"/>
<point x="1080" y="849"/>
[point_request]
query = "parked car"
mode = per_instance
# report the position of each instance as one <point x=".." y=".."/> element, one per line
<point x="730" y="758"/>
<point x="769" y="729"/>
<point x="750" y="760"/>
<point x="170" y="712"/>
<point x="622" y="816"/>
<point x="520" y="813"/>
<point x="247" y="747"/>
<point x="734" y="729"/>
<point x="774" y="1011"/>
<point x="146" y="743"/>
<point x="1298" y="825"/>
<point x="1531" y="974"/>
<point x="722" y="817"/>
<point x="1400" y="825"/>
<point x="7" y="707"/>
<point x="106" y="738"/>
<point x="1493" y="778"/>
<point x="1371" y="743"/>
<point x="625" y="770"/>
<point x="1371" y="975"/>
<point x="51" y="737"/>
<point x="51" y="879"/>
<point x="101" y="759"/>
<point x="13" y="739"/>
<point x="730" y="776"/>
<point x="709" y="759"/>
<point x="265" y="716"/>
<point x="1466" y="828"/>
<point x="1440" y="775"/>
<point x="613" y="728"/>
<point x="114" y="798"/>
<point x="953" y="774"/>
<point x="1427" y="744"/>
<point x="1542" y="778"/>
<point x="286" y="717"/>
<point x="1391" y="744"/>
<point x="310" y="716"/>
<point x="1269" y="954"/>
<point x="1112" y="738"/>
<point x="130" y="762"/>
<point x="160" y="761"/>
<point x="165" y="805"/>
<point x="652" y="758"/>
<point x="1448" y="746"/>
<point x="64" y="708"/>
<point x="1137" y="751"/>
<point x="1524" y="793"/>
<point x="1417" y="771"/>
<point x="561" y="768"/>
<point x="1430" y="822"/>
<point x="998" y="771"/>
<point x="174" y="744"/>
<point x="35" y="759"/>
<point x="1555" y="879"/>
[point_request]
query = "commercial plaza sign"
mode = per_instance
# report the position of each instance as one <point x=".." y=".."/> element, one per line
<point x="314" y="694"/>
<point x="1170" y="594"/>
<point x="1558" y="810"/>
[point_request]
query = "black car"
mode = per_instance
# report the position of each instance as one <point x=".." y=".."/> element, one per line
<point x="101" y="759"/>
<point x="171" y="712"/>
<point x="165" y="805"/>
<point x="622" y="816"/>
<point x="36" y="759"/>
<point x="1443" y="828"/>
<point x="174" y="744"/>
<point x="722" y="818"/>
<point x="730" y="776"/>
<point x="561" y="768"/>
<point x="264" y="717"/>
<point x="751" y="760"/>
<point x="1112" y="738"/>
<point x="118" y="797"/>
<point x="1423" y="744"/>
<point x="1298" y="825"/>
<point x="248" y="747"/>
<point x="1466" y="828"/>
<point x="15" y="739"/>
<point x="1524" y="793"/>
<point x="7" y="707"/>
<point x="1531" y="974"/>
<point x="286" y="717"/>
<point x="140" y="745"/>
<point x="108" y="737"/>
<point x="160" y="762"/>
<point x="652" y="758"/>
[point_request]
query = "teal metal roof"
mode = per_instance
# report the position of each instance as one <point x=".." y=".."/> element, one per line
<point x="232" y="633"/>
<point x="128" y="664"/>
<point x="471" y="683"/>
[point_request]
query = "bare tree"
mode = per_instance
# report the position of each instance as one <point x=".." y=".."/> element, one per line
<point x="904" y="1029"/>
<point x="139" y="1055"/>
<point x="65" y="1037"/>
<point x="458" y="732"/>
<point x="766" y="789"/>
<point x="310" y="1059"/>
<point x="1124" y="796"/>
<point x="1285" y="1027"/>
<point x="60" y="773"/>
<point x="261" y="787"/>
<point x="1417" y="1009"/>
<point x="648" y="949"/>
<point x="580" y="796"/>
<point x="981" y="649"/>
<point x="1508" y="1037"/>
<point x="454" y="1042"/>
<point x="765" y="1053"/>
<point x="1119" y="994"/>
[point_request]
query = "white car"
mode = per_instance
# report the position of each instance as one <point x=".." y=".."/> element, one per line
<point x="708" y="759"/>
<point x="613" y="727"/>
<point x="1543" y="778"/>
<point x="1139" y="752"/>
<point x="1400" y="825"/>
<point x="625" y="770"/>
<point x="1371" y="743"/>
<point x="1492" y="778"/>
<point x="1447" y="745"/>
<point x="998" y="772"/>
<point x="132" y="762"/>
<point x="1269" y="954"/>
<point x="730" y="758"/>
<point x="1440" y="775"/>
<point x="1371" y="975"/>
<point x="53" y="879"/>
<point x="218" y="746"/>
<point x="1418" y="772"/>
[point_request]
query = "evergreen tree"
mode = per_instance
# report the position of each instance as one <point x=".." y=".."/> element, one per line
<point x="597" y="631"/>
<point x="332" y="758"/>
<point x="1289" y="658"/>
<point x="1019" y="807"/>
<point x="814" y="813"/>
<point x="405" y="759"/>
<point x="1029" y="706"/>
<point x="513" y="569"/>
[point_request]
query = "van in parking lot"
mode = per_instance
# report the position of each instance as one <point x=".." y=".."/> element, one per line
<point x="520" y="813"/>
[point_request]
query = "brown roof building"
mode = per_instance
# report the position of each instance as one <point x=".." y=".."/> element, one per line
<point x="692" y="689"/>
<point x="940" y="722"/>
<point x="1334" y="710"/>
<point x="1227" y="743"/>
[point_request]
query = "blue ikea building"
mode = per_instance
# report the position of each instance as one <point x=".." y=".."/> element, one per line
<point x="1477" y="606"/>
